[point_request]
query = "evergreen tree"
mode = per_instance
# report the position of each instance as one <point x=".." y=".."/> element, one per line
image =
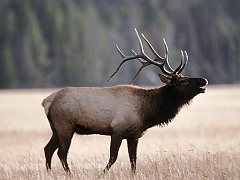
<point x="59" y="42"/>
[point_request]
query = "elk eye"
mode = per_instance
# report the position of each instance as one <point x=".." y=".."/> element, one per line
<point x="184" y="82"/>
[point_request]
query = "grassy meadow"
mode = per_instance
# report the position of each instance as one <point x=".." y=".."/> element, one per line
<point x="203" y="142"/>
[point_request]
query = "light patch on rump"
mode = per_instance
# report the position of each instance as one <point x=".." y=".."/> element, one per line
<point x="48" y="101"/>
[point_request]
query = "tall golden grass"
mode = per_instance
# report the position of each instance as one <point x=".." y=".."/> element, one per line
<point x="203" y="142"/>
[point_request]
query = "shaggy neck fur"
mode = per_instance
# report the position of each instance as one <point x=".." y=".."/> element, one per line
<point x="161" y="105"/>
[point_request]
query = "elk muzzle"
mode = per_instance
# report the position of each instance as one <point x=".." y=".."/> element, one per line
<point x="201" y="82"/>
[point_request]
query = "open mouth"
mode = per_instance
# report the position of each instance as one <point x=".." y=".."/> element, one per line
<point x="202" y="89"/>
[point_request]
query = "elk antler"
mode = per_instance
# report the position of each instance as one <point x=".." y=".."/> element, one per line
<point x="146" y="61"/>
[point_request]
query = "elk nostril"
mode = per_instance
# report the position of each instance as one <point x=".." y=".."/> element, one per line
<point x="205" y="81"/>
<point x="202" y="82"/>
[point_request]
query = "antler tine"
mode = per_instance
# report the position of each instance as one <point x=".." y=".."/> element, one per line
<point x="126" y="58"/>
<point x="144" y="56"/>
<point x="166" y="48"/>
<point x="140" y="59"/>
<point x="160" y="65"/>
<point x="158" y="61"/>
<point x="166" y="55"/>
<point x="185" y="62"/>
<point x="137" y="74"/>
<point x="120" y="52"/>
<point x="144" y="64"/>
<point x="139" y="41"/>
<point x="141" y="55"/>
<point x="180" y="66"/>
<point x="158" y="57"/>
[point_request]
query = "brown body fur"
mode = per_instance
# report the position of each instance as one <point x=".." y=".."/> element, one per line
<point x="122" y="112"/>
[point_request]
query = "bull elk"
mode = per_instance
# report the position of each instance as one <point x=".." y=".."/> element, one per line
<point x="122" y="112"/>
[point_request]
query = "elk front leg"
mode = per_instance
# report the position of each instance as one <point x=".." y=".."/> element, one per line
<point x="116" y="141"/>
<point x="132" y="151"/>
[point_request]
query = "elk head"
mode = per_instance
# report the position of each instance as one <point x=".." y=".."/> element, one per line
<point x="184" y="86"/>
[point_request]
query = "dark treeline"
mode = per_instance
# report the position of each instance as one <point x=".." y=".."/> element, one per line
<point x="72" y="42"/>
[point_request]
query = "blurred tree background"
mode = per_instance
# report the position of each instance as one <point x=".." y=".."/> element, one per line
<point x="72" y="42"/>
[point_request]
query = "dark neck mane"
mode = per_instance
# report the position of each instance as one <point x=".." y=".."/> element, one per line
<point x="160" y="106"/>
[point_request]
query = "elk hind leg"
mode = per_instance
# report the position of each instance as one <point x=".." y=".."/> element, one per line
<point x="50" y="148"/>
<point x="65" y="138"/>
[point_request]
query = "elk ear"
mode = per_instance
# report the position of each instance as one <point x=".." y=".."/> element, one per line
<point x="164" y="79"/>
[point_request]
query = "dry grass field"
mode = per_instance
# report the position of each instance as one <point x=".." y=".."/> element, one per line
<point x="203" y="142"/>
